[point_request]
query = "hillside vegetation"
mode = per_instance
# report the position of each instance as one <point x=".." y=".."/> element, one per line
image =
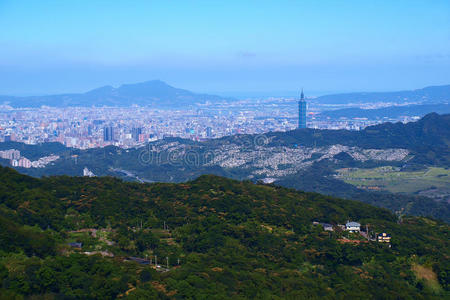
<point x="305" y="159"/>
<point x="214" y="238"/>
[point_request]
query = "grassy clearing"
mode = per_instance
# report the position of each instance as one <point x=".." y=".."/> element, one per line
<point x="90" y="243"/>
<point x="428" y="276"/>
<point x="393" y="180"/>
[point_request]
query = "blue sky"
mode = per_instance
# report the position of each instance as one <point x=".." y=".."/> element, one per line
<point x="224" y="46"/>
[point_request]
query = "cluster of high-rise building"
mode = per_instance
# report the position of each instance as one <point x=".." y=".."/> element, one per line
<point x="91" y="127"/>
<point x="10" y="154"/>
<point x="131" y="126"/>
<point x="17" y="160"/>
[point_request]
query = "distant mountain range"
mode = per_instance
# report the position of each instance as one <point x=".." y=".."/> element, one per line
<point x="431" y="94"/>
<point x="393" y="112"/>
<point x="159" y="94"/>
<point x="150" y="93"/>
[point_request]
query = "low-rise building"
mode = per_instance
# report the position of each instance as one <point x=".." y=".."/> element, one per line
<point x="327" y="227"/>
<point x="141" y="261"/>
<point x="384" y="238"/>
<point x="353" y="226"/>
<point x="76" y="245"/>
<point x="88" y="173"/>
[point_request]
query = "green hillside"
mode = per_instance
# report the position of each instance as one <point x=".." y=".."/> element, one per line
<point x="213" y="238"/>
<point x="426" y="142"/>
<point x="397" y="181"/>
<point x="323" y="178"/>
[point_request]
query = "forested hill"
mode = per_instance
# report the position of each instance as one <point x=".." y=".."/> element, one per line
<point x="431" y="94"/>
<point x="305" y="159"/>
<point x="222" y="239"/>
<point x="428" y="138"/>
<point x="393" y="112"/>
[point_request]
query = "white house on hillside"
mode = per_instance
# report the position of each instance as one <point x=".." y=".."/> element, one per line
<point x="353" y="226"/>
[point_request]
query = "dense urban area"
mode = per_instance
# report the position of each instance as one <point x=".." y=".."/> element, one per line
<point x="92" y="127"/>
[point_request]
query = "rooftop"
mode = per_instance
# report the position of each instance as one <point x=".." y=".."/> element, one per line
<point x="352" y="224"/>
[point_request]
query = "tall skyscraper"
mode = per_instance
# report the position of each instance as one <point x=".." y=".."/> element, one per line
<point x="108" y="134"/>
<point x="208" y="132"/>
<point x="302" y="111"/>
<point x="135" y="133"/>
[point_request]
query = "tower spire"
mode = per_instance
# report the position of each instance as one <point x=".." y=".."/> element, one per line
<point x="302" y="111"/>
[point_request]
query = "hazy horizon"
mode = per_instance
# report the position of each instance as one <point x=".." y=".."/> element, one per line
<point x="259" y="47"/>
<point x="234" y="94"/>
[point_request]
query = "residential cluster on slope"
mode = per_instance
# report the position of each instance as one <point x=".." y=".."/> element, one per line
<point x="355" y="227"/>
<point x="17" y="160"/>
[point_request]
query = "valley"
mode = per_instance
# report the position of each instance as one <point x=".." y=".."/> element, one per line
<point x="433" y="182"/>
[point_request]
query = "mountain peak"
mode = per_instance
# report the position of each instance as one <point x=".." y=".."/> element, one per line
<point x="148" y="83"/>
<point x="150" y="89"/>
<point x="156" y="93"/>
<point x="101" y="90"/>
<point x="155" y="82"/>
<point x="431" y="116"/>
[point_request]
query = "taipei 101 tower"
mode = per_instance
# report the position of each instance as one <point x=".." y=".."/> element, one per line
<point x="302" y="111"/>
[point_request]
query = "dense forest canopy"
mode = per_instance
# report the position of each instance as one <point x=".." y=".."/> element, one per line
<point x="213" y="238"/>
